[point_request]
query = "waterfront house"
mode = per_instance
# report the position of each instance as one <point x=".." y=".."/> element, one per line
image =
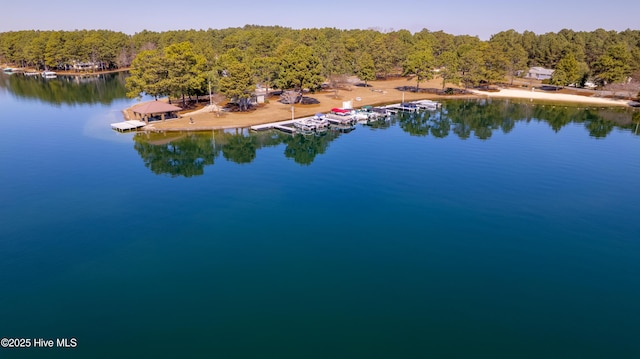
<point x="539" y="73"/>
<point x="84" y="66"/>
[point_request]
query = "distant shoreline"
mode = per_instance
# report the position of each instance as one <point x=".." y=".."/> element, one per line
<point x="73" y="73"/>
<point x="68" y="73"/>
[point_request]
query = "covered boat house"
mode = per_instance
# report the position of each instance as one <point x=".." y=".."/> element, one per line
<point x="155" y="110"/>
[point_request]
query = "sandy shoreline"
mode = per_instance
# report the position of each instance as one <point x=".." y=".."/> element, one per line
<point x="551" y="96"/>
<point x="380" y="92"/>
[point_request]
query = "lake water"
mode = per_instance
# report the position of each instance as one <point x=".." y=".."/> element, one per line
<point x="488" y="229"/>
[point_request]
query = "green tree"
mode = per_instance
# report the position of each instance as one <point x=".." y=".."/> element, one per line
<point x="34" y="50"/>
<point x="495" y="63"/>
<point x="366" y="69"/>
<point x="471" y="64"/>
<point x="567" y="71"/>
<point x="265" y="70"/>
<point x="382" y="57"/>
<point x="300" y="69"/>
<point x="449" y="64"/>
<point x="613" y="66"/>
<point x="53" y="53"/>
<point x="509" y="43"/>
<point x="420" y="63"/>
<point x="186" y="70"/>
<point x="148" y="75"/>
<point x="238" y="84"/>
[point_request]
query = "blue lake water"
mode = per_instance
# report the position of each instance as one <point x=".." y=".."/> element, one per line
<point x="488" y="229"/>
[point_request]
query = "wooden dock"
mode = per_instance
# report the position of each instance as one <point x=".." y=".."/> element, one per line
<point x="268" y="126"/>
<point x="403" y="107"/>
<point x="411" y="106"/>
<point x="286" y="129"/>
<point x="127" y="125"/>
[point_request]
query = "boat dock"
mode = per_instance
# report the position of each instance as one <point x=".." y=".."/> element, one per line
<point x="268" y="126"/>
<point x="127" y="125"/>
<point x="307" y="125"/>
<point x="427" y="104"/>
<point x="286" y="129"/>
<point x="404" y="107"/>
<point x="410" y="106"/>
<point x="340" y="119"/>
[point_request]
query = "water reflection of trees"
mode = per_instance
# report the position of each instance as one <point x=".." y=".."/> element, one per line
<point x="304" y="149"/>
<point x="187" y="154"/>
<point x="481" y="118"/>
<point x="177" y="155"/>
<point x="67" y="90"/>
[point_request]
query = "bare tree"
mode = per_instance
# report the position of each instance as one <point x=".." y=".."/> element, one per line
<point x="216" y="100"/>
<point x="289" y="97"/>
<point x="628" y="89"/>
<point x="337" y="82"/>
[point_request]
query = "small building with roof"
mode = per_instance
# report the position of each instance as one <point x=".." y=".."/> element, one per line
<point x="539" y="73"/>
<point x="155" y="110"/>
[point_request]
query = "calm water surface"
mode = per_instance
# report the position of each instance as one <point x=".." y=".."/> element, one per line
<point x="490" y="229"/>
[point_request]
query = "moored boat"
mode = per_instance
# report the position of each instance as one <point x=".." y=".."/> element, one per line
<point x="49" y="75"/>
<point x="427" y="104"/>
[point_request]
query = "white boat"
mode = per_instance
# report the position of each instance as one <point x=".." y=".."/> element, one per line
<point x="339" y="116"/>
<point x="31" y="73"/>
<point x="427" y="105"/>
<point x="320" y="121"/>
<point x="49" y="75"/>
<point x="304" y="125"/>
<point x="361" y="116"/>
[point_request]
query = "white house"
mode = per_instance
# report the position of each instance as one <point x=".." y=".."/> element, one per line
<point x="539" y="73"/>
<point x="84" y="66"/>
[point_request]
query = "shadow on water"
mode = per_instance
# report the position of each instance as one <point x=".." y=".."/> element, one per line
<point x="187" y="154"/>
<point x="67" y="90"/>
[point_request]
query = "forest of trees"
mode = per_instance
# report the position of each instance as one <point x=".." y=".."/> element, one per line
<point x="232" y="61"/>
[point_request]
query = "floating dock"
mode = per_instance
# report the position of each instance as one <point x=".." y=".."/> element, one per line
<point x="427" y="105"/>
<point x="405" y="107"/>
<point x="286" y="129"/>
<point x="281" y="125"/>
<point x="343" y="120"/>
<point x="340" y="119"/>
<point x="127" y="125"/>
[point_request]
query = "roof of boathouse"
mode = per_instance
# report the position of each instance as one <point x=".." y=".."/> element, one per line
<point x="155" y="107"/>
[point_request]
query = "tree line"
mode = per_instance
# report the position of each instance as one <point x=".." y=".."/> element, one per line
<point x="232" y="61"/>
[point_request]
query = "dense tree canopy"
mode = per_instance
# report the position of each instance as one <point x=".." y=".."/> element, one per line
<point x="420" y="63"/>
<point x="300" y="69"/>
<point x="176" y="62"/>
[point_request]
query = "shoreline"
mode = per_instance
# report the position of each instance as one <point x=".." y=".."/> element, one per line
<point x="380" y="92"/>
<point x="556" y="97"/>
<point x="69" y="73"/>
